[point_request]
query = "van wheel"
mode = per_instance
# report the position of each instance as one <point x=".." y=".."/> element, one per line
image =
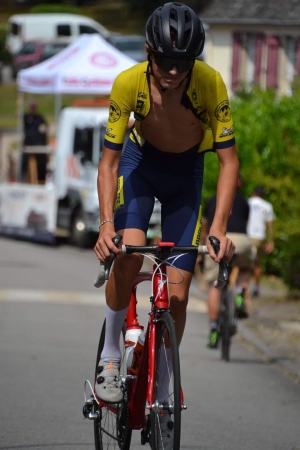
<point x="79" y="236"/>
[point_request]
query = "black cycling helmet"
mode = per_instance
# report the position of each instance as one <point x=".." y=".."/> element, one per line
<point x="176" y="31"/>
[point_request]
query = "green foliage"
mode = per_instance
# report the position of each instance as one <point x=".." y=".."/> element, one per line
<point x="268" y="142"/>
<point x="54" y="8"/>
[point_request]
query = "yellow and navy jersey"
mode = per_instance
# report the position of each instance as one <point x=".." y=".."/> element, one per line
<point x="206" y="96"/>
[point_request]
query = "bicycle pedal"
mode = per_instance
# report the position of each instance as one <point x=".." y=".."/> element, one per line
<point x="87" y="410"/>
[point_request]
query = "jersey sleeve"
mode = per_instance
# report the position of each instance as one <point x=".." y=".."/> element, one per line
<point x="119" y="112"/>
<point x="270" y="216"/>
<point x="219" y="112"/>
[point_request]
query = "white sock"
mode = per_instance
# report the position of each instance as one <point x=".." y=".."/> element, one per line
<point x="165" y="373"/>
<point x="114" y="324"/>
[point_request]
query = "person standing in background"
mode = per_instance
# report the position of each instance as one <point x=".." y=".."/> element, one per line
<point x="260" y="230"/>
<point x="35" y="133"/>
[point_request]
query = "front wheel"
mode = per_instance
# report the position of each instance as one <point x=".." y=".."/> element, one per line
<point x="111" y="429"/>
<point x="165" y="415"/>
<point x="226" y="323"/>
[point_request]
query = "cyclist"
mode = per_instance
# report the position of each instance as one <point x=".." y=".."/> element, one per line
<point x="181" y="110"/>
<point x="243" y="259"/>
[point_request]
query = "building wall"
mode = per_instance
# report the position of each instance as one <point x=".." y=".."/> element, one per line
<point x="248" y="55"/>
<point x="219" y="52"/>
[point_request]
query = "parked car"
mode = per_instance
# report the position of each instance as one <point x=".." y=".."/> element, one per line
<point x="35" y="52"/>
<point x="133" y="45"/>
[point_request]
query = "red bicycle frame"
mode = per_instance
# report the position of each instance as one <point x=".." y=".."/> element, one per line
<point x="142" y="387"/>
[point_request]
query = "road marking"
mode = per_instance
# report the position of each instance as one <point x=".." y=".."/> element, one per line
<point x="80" y="298"/>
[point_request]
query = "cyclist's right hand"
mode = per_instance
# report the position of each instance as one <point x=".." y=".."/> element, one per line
<point x="104" y="245"/>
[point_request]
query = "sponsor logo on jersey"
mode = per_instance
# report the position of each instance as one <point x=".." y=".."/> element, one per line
<point x="142" y="95"/>
<point x="222" y="112"/>
<point x="108" y="133"/>
<point x="120" y="193"/>
<point x="140" y="105"/>
<point x="226" y="132"/>
<point x="114" y="112"/>
<point x="198" y="228"/>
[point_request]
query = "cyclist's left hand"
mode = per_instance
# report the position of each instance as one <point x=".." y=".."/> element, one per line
<point x="227" y="247"/>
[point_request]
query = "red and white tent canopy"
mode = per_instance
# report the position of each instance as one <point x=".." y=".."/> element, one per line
<point x="88" y="66"/>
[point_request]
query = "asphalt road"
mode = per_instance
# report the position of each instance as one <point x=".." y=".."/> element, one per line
<point x="50" y="318"/>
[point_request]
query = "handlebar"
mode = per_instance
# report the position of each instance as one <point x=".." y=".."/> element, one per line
<point x="163" y="251"/>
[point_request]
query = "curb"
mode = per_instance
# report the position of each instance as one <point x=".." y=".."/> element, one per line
<point x="272" y="354"/>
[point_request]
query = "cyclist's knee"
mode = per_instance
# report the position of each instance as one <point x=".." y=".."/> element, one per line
<point x="127" y="266"/>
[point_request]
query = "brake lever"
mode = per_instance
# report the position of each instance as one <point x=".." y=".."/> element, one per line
<point x="222" y="279"/>
<point x="105" y="267"/>
<point x="116" y="240"/>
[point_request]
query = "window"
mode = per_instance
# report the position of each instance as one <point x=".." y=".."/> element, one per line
<point x="15" y="28"/>
<point x="86" y="29"/>
<point x="63" y="30"/>
<point x="297" y="62"/>
<point x="83" y="144"/>
<point x="50" y="50"/>
<point x="27" y="49"/>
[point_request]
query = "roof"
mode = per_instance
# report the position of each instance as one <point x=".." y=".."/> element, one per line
<point x="272" y="12"/>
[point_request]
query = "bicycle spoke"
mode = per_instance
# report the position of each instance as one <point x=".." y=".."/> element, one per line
<point x="166" y="412"/>
<point x="110" y="431"/>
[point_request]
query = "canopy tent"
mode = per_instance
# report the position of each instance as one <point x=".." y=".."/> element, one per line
<point x="87" y="66"/>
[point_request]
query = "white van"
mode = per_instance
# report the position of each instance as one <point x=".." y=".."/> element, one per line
<point x="45" y="27"/>
<point x="80" y="139"/>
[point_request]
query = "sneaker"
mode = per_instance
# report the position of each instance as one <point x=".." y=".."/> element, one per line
<point x="240" y="307"/>
<point x="108" y="386"/>
<point x="213" y="339"/>
<point x="165" y="432"/>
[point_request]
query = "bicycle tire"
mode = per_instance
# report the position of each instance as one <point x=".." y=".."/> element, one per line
<point x="166" y="331"/>
<point x="111" y="429"/>
<point x="225" y="326"/>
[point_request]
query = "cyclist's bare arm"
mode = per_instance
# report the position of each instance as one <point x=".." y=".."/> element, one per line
<point x="227" y="182"/>
<point x="107" y="190"/>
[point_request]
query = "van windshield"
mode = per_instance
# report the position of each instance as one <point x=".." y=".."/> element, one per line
<point x="88" y="144"/>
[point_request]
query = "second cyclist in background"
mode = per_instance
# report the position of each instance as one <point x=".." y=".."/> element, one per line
<point x="243" y="259"/>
